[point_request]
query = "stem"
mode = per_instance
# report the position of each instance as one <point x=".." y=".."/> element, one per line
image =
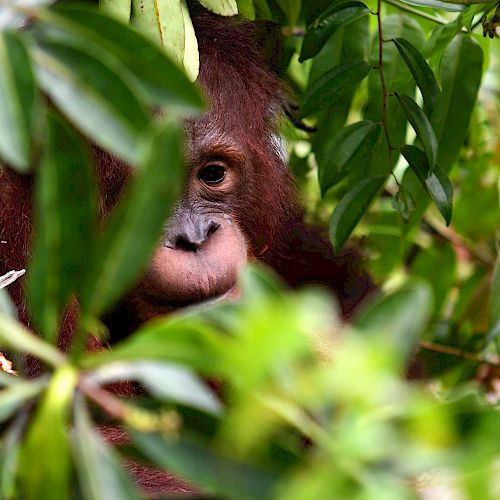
<point x="459" y="353"/>
<point x="416" y="12"/>
<point x="109" y="403"/>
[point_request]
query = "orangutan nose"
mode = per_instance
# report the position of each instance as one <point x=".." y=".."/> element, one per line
<point x="191" y="236"/>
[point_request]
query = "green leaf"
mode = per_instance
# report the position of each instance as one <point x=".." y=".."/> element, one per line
<point x="424" y="76"/>
<point x="291" y="9"/>
<point x="96" y="95"/>
<point x="461" y="69"/>
<point x="435" y="181"/>
<point x="6" y="305"/>
<point x="48" y="436"/>
<point x="65" y="216"/>
<point x="435" y="4"/>
<point x="326" y="25"/>
<point x="10" y="445"/>
<point x="351" y="208"/>
<point x="119" y="9"/>
<point x="135" y="226"/>
<point x="99" y="471"/>
<point x="14" y="397"/>
<point x="191" y="58"/>
<point x="221" y="7"/>
<point x="17" y="101"/>
<point x="246" y="9"/>
<point x="166" y="381"/>
<point x="404" y="203"/>
<point x="422" y="127"/>
<point x="494" y="330"/>
<point x="345" y="151"/>
<point x="399" y="317"/>
<point x="333" y="85"/>
<point x="163" y="82"/>
<point x="215" y="474"/>
<point x="14" y="336"/>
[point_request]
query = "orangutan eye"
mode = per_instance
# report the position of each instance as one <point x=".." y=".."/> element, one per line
<point x="212" y="174"/>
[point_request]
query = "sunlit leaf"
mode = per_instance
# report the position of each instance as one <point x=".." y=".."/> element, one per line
<point x="49" y="479"/>
<point x="221" y="7"/>
<point x="351" y="208"/>
<point x="167" y="381"/>
<point x="133" y="229"/>
<point x="17" y="101"/>
<point x="333" y="85"/>
<point x="65" y="218"/>
<point x="345" y="151"/>
<point x="6" y="306"/>
<point x="95" y="96"/>
<point x="420" y="70"/>
<point x="162" y="80"/>
<point x="119" y="9"/>
<point x="325" y="26"/>
<point x="15" y="396"/>
<point x="422" y="127"/>
<point x="436" y="4"/>
<point x="435" y="180"/>
<point x="191" y="58"/>
<point x="99" y="470"/>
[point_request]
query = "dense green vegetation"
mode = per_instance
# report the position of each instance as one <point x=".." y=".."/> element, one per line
<point x="404" y="161"/>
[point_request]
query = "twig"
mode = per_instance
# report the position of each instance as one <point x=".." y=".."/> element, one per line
<point x="459" y="353"/>
<point x="109" y="403"/>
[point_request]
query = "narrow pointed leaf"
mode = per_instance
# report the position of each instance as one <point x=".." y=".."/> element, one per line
<point x="422" y="127"/>
<point x="65" y="214"/>
<point x="345" y="151"/>
<point x="48" y="434"/>
<point x="99" y="471"/>
<point x="15" y="396"/>
<point x="17" y="101"/>
<point x="435" y="181"/>
<point x="14" y="336"/>
<point x="423" y="75"/>
<point x="163" y="81"/>
<point x="95" y="96"/>
<point x="326" y="25"/>
<point x="333" y="85"/>
<point x="134" y="228"/>
<point x="436" y="4"/>
<point x="351" y="208"/>
<point x="191" y="58"/>
<point x="221" y="7"/>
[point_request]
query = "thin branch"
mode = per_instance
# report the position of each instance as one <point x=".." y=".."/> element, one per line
<point x="107" y="401"/>
<point x="459" y="353"/>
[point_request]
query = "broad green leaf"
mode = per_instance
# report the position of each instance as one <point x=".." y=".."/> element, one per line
<point x="325" y="26"/>
<point x="397" y="79"/>
<point x="10" y="445"/>
<point x="48" y="436"/>
<point x="495" y="302"/>
<point x="424" y="77"/>
<point x="291" y="8"/>
<point x="345" y="151"/>
<point x="17" y="101"/>
<point x="399" y="317"/>
<point x="333" y="85"/>
<point x="351" y="208"/>
<point x="65" y="216"/>
<point x="404" y="203"/>
<point x="194" y="344"/>
<point x="14" y="397"/>
<point x="437" y="43"/>
<point x="436" y="265"/>
<point x="96" y="95"/>
<point x="99" y="471"/>
<point x="191" y="58"/>
<point x="14" y="336"/>
<point x="460" y="71"/>
<point x="135" y="226"/>
<point x="246" y="9"/>
<point x="435" y="180"/>
<point x="436" y="4"/>
<point x="221" y="7"/>
<point x="422" y="127"/>
<point x="119" y="9"/>
<point x="215" y="474"/>
<point x="163" y="82"/>
<point x="167" y="381"/>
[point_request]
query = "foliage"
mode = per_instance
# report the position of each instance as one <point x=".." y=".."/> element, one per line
<point x="402" y="158"/>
